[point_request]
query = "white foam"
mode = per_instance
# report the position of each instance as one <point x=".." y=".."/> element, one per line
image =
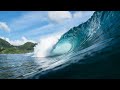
<point x="43" y="48"/>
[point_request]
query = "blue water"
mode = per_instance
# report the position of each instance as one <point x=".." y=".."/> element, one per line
<point x="20" y="66"/>
<point x="15" y="65"/>
<point x="90" y="50"/>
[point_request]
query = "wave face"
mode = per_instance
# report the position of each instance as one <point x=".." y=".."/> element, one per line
<point x="90" y="50"/>
<point x="101" y="26"/>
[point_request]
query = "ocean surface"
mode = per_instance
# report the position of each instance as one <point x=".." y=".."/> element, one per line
<point x="88" y="51"/>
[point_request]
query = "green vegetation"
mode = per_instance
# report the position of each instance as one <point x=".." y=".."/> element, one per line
<point x="7" y="48"/>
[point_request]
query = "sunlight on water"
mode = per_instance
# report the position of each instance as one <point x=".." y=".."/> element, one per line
<point x="62" y="48"/>
<point x="94" y="41"/>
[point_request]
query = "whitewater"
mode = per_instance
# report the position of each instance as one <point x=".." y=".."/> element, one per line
<point x="97" y="38"/>
<point x="88" y="51"/>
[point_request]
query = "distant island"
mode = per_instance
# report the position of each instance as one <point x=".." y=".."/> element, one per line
<point x="7" y="48"/>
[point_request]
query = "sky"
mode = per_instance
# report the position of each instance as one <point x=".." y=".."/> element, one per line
<point x="19" y="27"/>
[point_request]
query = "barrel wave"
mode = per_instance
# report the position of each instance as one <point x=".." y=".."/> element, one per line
<point x="90" y="50"/>
<point x="101" y="26"/>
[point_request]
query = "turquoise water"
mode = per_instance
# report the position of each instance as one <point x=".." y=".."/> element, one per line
<point x="89" y="47"/>
<point x="101" y="26"/>
<point x="88" y="51"/>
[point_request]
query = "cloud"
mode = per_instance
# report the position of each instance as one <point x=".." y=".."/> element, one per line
<point x="59" y="16"/>
<point x="39" y="30"/>
<point x="77" y="18"/>
<point x="82" y="14"/>
<point x="4" y="26"/>
<point x="18" y="42"/>
<point x="77" y="14"/>
<point x="29" y="19"/>
<point x="35" y="24"/>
